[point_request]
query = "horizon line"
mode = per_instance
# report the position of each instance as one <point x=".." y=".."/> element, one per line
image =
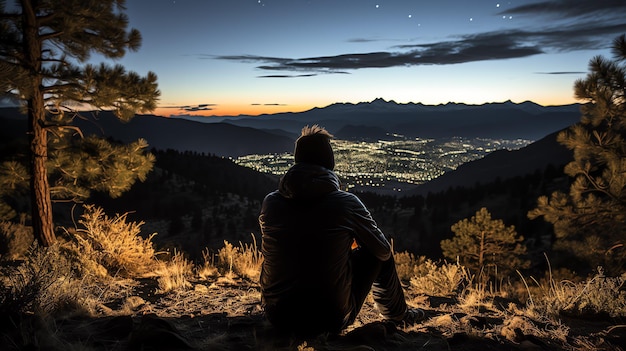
<point x="357" y="103"/>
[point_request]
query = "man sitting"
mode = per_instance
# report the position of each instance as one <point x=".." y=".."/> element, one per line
<point x="323" y="252"/>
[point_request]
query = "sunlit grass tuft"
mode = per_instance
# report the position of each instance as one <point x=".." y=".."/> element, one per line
<point x="407" y="265"/>
<point x="114" y="243"/>
<point x="207" y="270"/>
<point x="438" y="280"/>
<point x="244" y="260"/>
<point x="174" y="274"/>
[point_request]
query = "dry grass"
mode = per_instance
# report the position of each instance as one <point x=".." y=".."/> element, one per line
<point x="244" y="260"/>
<point x="106" y="269"/>
<point x="408" y="266"/>
<point x="42" y="284"/>
<point x="174" y="275"/>
<point x="114" y="243"/>
<point x="208" y="268"/>
<point x="597" y="295"/>
<point x="438" y="280"/>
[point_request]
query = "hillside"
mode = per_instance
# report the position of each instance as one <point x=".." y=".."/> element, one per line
<point x="501" y="164"/>
<point x="162" y="133"/>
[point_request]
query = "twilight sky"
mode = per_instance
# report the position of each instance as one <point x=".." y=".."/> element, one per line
<point x="230" y="57"/>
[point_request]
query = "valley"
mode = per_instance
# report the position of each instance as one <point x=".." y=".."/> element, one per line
<point x="391" y="166"/>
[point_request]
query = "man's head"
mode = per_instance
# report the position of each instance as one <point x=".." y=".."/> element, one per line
<point x="313" y="146"/>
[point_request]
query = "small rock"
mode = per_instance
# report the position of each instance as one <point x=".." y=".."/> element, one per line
<point x="201" y="288"/>
<point x="134" y="302"/>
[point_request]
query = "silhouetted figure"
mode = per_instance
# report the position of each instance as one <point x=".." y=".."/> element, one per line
<point x="322" y="250"/>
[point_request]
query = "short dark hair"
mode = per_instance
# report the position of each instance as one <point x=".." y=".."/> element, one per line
<point x="313" y="146"/>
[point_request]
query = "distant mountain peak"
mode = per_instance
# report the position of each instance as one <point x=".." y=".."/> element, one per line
<point x="381" y="101"/>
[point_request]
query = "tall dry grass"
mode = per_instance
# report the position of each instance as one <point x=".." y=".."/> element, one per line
<point x="43" y="284"/>
<point x="244" y="260"/>
<point x="596" y="295"/>
<point x="114" y="243"/>
<point x="174" y="274"/>
<point x="443" y="279"/>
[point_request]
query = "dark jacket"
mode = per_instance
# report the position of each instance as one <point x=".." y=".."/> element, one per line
<point x="308" y="226"/>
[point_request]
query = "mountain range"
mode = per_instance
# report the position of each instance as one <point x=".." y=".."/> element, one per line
<point x="383" y="119"/>
<point x="234" y="136"/>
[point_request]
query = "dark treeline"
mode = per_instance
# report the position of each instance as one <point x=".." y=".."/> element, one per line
<point x="419" y="223"/>
<point x="182" y="181"/>
<point x="194" y="200"/>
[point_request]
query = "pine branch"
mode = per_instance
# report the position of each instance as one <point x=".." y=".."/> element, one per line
<point x="45" y="19"/>
<point x="50" y="36"/>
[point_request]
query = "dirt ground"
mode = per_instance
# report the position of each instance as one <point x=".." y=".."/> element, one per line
<point x="226" y="315"/>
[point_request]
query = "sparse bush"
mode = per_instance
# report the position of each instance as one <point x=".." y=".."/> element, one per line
<point x="244" y="260"/>
<point x="599" y="294"/>
<point x="174" y="274"/>
<point x="407" y="265"/>
<point x="15" y="239"/>
<point x="208" y="269"/>
<point x="438" y="280"/>
<point x="114" y="243"/>
<point x="43" y="284"/>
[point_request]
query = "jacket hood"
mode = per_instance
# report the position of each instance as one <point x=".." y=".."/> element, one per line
<point x="305" y="180"/>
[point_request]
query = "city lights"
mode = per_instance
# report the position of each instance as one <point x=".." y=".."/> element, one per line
<point x="391" y="166"/>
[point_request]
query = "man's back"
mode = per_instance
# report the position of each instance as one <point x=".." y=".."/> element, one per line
<point x="308" y="227"/>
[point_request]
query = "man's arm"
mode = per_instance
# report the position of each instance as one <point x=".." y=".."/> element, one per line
<point x="367" y="233"/>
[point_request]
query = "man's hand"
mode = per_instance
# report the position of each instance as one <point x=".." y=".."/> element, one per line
<point x="354" y="245"/>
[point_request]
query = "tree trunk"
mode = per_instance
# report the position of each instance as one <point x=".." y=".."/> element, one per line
<point x="481" y="254"/>
<point x="41" y="203"/>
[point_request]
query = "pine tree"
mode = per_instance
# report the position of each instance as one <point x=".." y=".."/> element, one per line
<point x="44" y="49"/>
<point x="485" y="244"/>
<point x="590" y="221"/>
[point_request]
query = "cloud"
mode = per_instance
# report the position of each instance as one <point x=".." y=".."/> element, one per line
<point x="287" y="75"/>
<point x="361" y="40"/>
<point x="193" y="108"/>
<point x="615" y="9"/>
<point x="588" y="25"/>
<point x="269" y="105"/>
<point x="491" y="46"/>
<point x="560" y="72"/>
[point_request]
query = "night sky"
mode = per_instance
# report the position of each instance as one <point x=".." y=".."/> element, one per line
<point x="230" y="57"/>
